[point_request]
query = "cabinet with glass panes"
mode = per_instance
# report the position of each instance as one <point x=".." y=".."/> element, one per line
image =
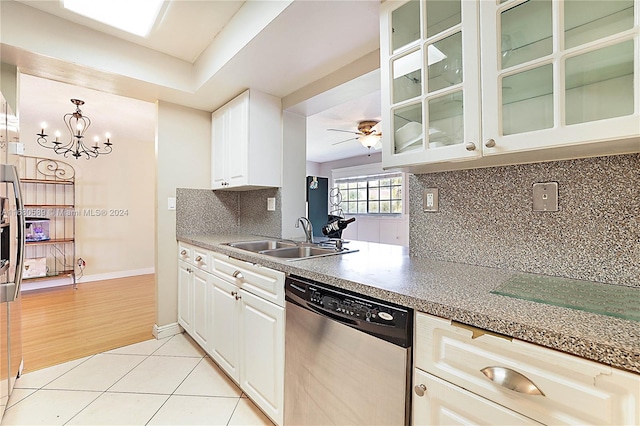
<point x="556" y="76"/>
<point x="430" y="81"/>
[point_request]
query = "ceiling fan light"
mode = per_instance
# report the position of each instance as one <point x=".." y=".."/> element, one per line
<point x="369" y="141"/>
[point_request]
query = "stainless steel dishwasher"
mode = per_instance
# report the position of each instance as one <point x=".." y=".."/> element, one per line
<point x="347" y="357"/>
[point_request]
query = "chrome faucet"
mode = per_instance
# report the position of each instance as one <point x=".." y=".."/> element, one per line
<point x="306" y="227"/>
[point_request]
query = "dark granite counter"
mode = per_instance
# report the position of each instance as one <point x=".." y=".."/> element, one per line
<point x="457" y="291"/>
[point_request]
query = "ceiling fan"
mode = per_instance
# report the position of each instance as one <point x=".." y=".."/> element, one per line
<point x="367" y="135"/>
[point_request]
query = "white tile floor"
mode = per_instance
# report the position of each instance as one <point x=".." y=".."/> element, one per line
<point x="157" y="382"/>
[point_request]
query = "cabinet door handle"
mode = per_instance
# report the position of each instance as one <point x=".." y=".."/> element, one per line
<point x="234" y="293"/>
<point x="490" y="143"/>
<point x="183" y="253"/>
<point x="470" y="146"/>
<point x="238" y="297"/>
<point x="238" y="275"/>
<point x="420" y="389"/>
<point x="199" y="259"/>
<point x="511" y="379"/>
<point x="189" y="270"/>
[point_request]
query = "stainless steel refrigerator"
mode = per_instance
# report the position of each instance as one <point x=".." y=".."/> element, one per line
<point x="11" y="264"/>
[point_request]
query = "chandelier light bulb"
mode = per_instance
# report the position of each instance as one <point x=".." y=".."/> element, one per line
<point x="57" y="135"/>
<point x="43" y="126"/>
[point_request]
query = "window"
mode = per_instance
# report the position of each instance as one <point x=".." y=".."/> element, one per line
<point x="373" y="194"/>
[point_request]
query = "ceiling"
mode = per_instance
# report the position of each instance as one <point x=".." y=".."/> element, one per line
<point x="345" y="116"/>
<point x="184" y="30"/>
<point x="47" y="100"/>
<point x="305" y="42"/>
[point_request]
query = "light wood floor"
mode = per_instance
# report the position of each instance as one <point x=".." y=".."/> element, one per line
<point x="61" y="324"/>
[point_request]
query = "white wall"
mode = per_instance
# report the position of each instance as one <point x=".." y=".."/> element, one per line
<point x="313" y="168"/>
<point x="9" y="85"/>
<point x="111" y="245"/>
<point x="325" y="168"/>
<point x="293" y="173"/>
<point x="183" y="152"/>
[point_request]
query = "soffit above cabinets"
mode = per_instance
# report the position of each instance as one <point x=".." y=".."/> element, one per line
<point x="277" y="47"/>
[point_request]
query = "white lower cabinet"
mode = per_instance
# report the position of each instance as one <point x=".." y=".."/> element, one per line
<point x="247" y="341"/>
<point x="194" y="302"/>
<point x="262" y="353"/>
<point x="201" y="319"/>
<point x="442" y="403"/>
<point x="185" y="295"/>
<point x="230" y="312"/>
<point x="225" y="325"/>
<point x="537" y="383"/>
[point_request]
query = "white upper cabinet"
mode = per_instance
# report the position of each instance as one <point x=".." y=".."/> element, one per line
<point x="246" y="149"/>
<point x="549" y="75"/>
<point x="430" y="81"/>
<point x="559" y="73"/>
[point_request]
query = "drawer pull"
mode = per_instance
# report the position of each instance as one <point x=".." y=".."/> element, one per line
<point x="199" y="259"/>
<point x="238" y="275"/>
<point x="420" y="389"/>
<point x="183" y="253"/>
<point x="189" y="270"/>
<point x="511" y="379"/>
<point x="233" y="293"/>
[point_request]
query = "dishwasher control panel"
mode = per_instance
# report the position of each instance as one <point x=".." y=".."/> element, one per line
<point x="376" y="317"/>
<point x="350" y="306"/>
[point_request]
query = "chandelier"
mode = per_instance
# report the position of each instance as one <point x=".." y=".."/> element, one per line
<point x="77" y="124"/>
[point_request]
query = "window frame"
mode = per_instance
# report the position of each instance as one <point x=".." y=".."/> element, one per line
<point x="370" y="172"/>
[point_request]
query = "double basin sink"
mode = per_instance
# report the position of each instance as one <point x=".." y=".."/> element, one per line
<point x="290" y="250"/>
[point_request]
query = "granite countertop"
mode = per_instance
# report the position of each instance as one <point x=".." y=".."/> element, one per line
<point x="459" y="292"/>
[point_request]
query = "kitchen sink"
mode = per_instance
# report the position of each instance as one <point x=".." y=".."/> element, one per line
<point x="257" y="246"/>
<point x="299" y="251"/>
<point x="290" y="250"/>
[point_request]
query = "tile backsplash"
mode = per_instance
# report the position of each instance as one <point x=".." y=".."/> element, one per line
<point x="203" y="211"/>
<point x="254" y="217"/>
<point x="485" y="218"/>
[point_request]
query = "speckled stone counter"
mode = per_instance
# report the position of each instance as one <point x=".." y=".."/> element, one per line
<point x="455" y="291"/>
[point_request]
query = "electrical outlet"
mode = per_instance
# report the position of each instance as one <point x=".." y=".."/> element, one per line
<point x="430" y="200"/>
<point x="81" y="263"/>
<point x="271" y="204"/>
<point x="545" y="197"/>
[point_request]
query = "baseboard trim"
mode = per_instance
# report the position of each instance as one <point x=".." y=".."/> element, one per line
<point x="57" y="282"/>
<point x="163" y="331"/>
<point x="117" y="274"/>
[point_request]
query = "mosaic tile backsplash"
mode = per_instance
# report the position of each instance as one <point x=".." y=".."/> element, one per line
<point x="486" y="218"/>
<point x="203" y="211"/>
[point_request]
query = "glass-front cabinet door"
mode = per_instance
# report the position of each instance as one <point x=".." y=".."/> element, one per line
<point x="430" y="78"/>
<point x="558" y="73"/>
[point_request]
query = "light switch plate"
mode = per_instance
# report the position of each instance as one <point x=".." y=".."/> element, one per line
<point x="430" y="200"/>
<point x="545" y="197"/>
<point x="171" y="203"/>
<point x="16" y="148"/>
